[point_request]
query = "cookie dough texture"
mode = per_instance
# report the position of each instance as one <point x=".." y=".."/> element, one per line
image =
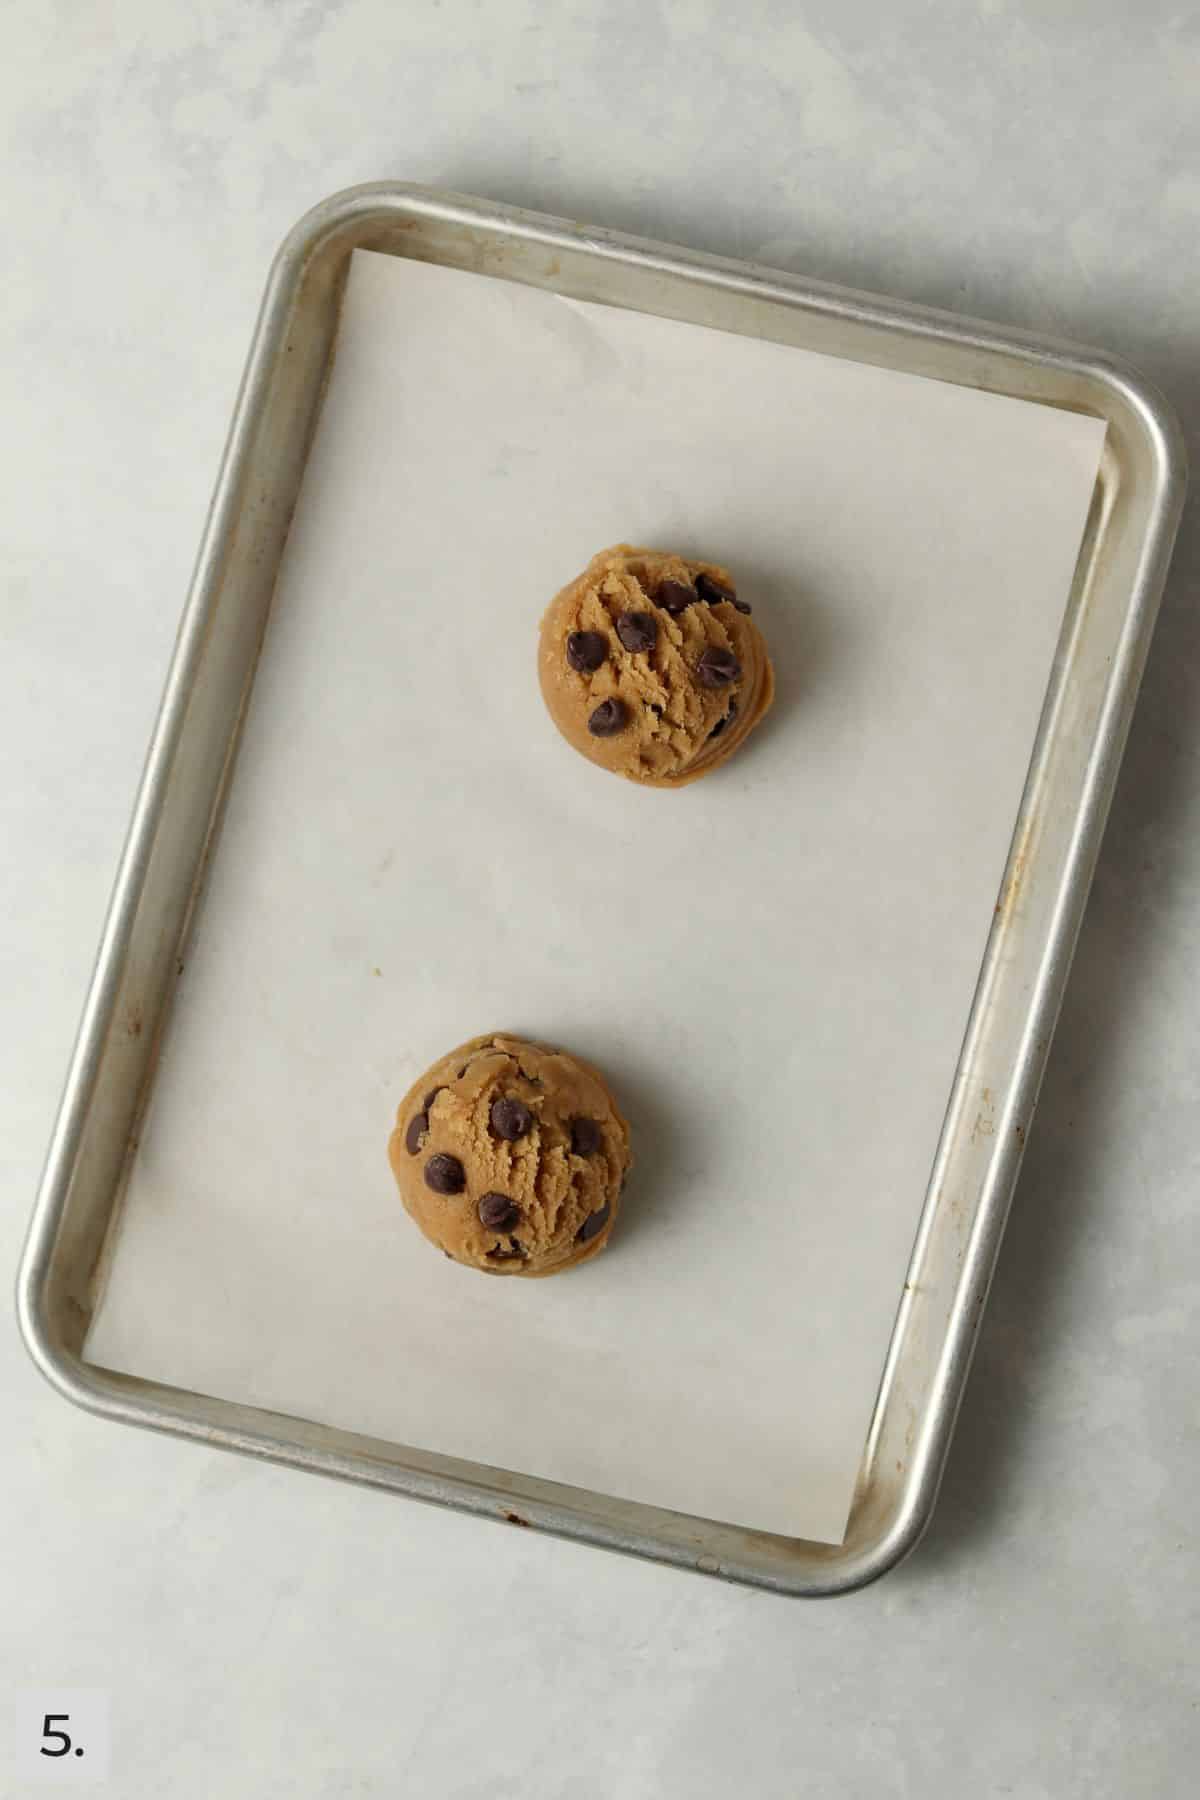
<point x="651" y="666"/>
<point x="511" y="1157"/>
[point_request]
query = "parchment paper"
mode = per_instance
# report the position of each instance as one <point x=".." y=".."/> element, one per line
<point x="773" y="966"/>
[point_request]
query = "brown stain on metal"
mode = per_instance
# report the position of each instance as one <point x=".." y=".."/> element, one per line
<point x="985" y="1123"/>
<point x="516" y="1519"/>
<point x="1020" y="1131"/>
<point x="1016" y="876"/>
<point x="133" y="1023"/>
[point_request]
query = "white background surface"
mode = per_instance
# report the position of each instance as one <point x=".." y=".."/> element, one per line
<point x="263" y="1634"/>
<point x="411" y="855"/>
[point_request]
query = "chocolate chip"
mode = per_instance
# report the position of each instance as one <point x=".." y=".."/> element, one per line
<point x="673" y="596"/>
<point x="510" y="1119"/>
<point x="609" y="718"/>
<point x="498" y="1212"/>
<point x="586" y="650"/>
<point x="720" y="725"/>
<point x="445" y="1174"/>
<point x="655" y="708"/>
<point x="714" y="591"/>
<point x="637" y="631"/>
<point x="593" y="1225"/>
<point x="429" y="1099"/>
<point x="418" y="1125"/>
<point x="585" y="1137"/>
<point x="717" y="668"/>
<point x="500" y="1254"/>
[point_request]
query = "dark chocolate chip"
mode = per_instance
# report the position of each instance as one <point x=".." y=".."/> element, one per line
<point x="593" y="1225"/>
<point x="429" y="1099"/>
<point x="655" y="708"/>
<point x="673" y="596"/>
<point x="585" y="1137"/>
<point x="586" y="650"/>
<point x="500" y="1254"/>
<point x="510" y="1118"/>
<point x="637" y="631"/>
<point x="609" y="718"/>
<point x="445" y="1174"/>
<point x="717" y="668"/>
<point x="414" y="1137"/>
<point x="714" y="591"/>
<point x="497" y="1212"/>
<point x="720" y="725"/>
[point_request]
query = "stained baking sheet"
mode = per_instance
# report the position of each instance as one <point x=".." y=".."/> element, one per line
<point x="773" y="966"/>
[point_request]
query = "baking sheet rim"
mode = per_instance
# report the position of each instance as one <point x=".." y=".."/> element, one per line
<point x="889" y="1513"/>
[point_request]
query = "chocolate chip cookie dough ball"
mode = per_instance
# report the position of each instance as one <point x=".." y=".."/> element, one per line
<point x="511" y="1158"/>
<point x="651" y="666"/>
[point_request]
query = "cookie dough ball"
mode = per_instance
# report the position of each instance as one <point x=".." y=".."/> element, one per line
<point x="511" y="1157"/>
<point x="651" y="666"/>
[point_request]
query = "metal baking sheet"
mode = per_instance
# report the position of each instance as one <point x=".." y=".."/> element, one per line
<point x="989" y="1111"/>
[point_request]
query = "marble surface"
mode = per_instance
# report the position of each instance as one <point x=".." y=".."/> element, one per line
<point x="264" y="1634"/>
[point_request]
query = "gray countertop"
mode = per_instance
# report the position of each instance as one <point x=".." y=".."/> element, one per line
<point x="263" y="1634"/>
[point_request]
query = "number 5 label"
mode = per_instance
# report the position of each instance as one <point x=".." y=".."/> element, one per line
<point x="60" y="1735"/>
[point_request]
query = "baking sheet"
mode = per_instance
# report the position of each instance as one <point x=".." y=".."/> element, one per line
<point x="773" y="966"/>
